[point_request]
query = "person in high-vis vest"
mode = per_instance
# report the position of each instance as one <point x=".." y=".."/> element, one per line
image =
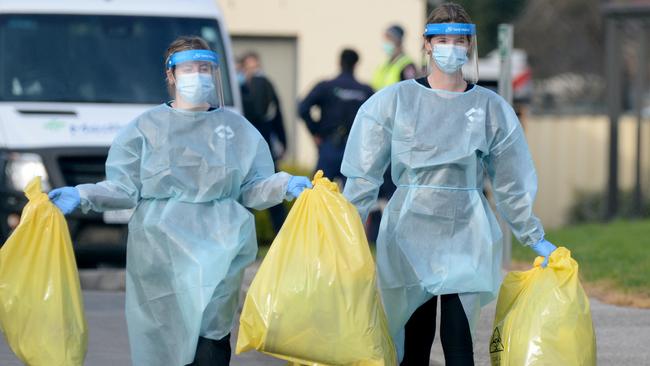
<point x="398" y="66"/>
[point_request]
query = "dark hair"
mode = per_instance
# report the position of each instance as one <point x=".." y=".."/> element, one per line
<point x="182" y="43"/>
<point x="349" y="59"/>
<point x="249" y="54"/>
<point x="448" y="13"/>
<point x="396" y="32"/>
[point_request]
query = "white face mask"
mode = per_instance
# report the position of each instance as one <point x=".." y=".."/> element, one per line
<point x="195" y="88"/>
<point x="449" y="58"/>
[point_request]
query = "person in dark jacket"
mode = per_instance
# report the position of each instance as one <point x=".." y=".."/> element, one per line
<point x="338" y="100"/>
<point x="261" y="104"/>
<point x="262" y="108"/>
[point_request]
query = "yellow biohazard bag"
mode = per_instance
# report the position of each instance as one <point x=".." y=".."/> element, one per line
<point x="543" y="317"/>
<point x="314" y="299"/>
<point x="41" y="309"/>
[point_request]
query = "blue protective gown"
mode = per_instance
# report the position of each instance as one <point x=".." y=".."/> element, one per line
<point x="438" y="234"/>
<point x="189" y="176"/>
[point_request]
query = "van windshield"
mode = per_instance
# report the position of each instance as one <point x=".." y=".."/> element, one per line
<point x="94" y="59"/>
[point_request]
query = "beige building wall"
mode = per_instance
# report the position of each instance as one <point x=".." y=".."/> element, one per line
<point x="571" y="154"/>
<point x="322" y="30"/>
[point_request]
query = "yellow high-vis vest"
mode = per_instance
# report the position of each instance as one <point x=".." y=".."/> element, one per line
<point x="390" y="72"/>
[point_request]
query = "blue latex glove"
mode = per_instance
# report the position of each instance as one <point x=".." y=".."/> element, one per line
<point x="65" y="198"/>
<point x="297" y="185"/>
<point x="544" y="248"/>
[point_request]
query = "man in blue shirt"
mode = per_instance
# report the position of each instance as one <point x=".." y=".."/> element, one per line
<point x="338" y="100"/>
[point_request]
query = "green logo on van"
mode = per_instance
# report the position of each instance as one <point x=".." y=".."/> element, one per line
<point x="54" y="125"/>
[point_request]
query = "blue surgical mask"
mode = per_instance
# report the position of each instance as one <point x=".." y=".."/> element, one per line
<point x="389" y="48"/>
<point x="449" y="58"/>
<point x="195" y="88"/>
<point x="241" y="78"/>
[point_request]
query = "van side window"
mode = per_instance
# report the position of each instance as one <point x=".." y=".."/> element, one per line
<point x="94" y="59"/>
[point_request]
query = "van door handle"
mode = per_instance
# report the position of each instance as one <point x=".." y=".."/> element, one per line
<point x="41" y="112"/>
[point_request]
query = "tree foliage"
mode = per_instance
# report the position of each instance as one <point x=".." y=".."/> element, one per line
<point x="487" y="14"/>
<point x="561" y="36"/>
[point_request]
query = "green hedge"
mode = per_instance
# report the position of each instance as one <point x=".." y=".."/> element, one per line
<point x="263" y="226"/>
<point x="617" y="252"/>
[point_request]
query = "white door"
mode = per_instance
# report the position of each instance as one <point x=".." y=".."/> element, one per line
<point x="278" y="56"/>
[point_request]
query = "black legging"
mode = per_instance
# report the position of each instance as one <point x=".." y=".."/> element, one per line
<point x="212" y="353"/>
<point x="454" y="333"/>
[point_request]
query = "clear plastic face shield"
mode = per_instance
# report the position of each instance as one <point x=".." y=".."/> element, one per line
<point x="453" y="48"/>
<point x="197" y="79"/>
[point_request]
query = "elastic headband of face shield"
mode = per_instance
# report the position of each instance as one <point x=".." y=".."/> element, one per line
<point x="470" y="68"/>
<point x="192" y="55"/>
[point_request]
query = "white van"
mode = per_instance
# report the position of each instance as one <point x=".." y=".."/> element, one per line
<point x="72" y="73"/>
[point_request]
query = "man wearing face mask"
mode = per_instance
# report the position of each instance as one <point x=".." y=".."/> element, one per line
<point x="439" y="238"/>
<point x="261" y="103"/>
<point x="190" y="168"/>
<point x="398" y="66"/>
<point x="262" y="108"/>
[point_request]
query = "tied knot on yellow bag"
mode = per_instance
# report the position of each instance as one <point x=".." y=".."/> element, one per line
<point x="314" y="300"/>
<point x="543" y="317"/>
<point x="41" y="307"/>
<point x="34" y="194"/>
<point x="324" y="183"/>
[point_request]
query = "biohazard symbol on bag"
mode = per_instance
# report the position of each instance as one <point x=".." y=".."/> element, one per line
<point x="495" y="344"/>
<point x="543" y="317"/>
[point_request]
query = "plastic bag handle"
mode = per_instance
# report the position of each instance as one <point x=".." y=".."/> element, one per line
<point x="321" y="181"/>
<point x="33" y="190"/>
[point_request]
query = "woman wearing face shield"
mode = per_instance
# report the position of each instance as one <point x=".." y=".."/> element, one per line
<point x="439" y="236"/>
<point x="190" y="168"/>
